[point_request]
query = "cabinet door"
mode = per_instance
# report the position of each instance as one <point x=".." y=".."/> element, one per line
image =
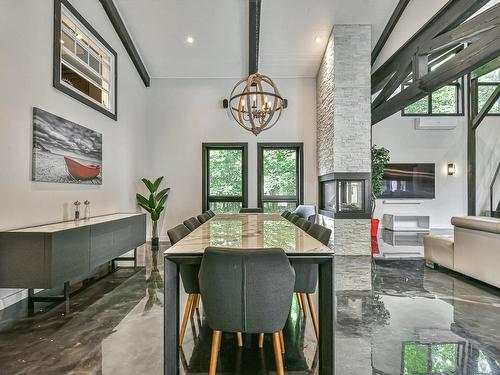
<point x="102" y="243"/>
<point x="70" y="255"/>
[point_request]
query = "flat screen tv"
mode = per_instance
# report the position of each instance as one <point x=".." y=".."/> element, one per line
<point x="409" y="181"/>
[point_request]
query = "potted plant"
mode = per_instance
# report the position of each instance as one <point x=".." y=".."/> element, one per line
<point x="155" y="204"/>
<point x="380" y="158"/>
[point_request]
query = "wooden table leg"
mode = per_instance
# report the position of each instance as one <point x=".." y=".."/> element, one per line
<point x="326" y="297"/>
<point x="171" y="318"/>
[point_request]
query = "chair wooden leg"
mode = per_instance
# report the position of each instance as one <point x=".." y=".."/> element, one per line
<point x="282" y="342"/>
<point x="303" y="303"/>
<point x="239" y="336"/>
<point x="261" y="340"/>
<point x="196" y="300"/>
<point x="185" y="318"/>
<point x="297" y="295"/>
<point x="314" y="316"/>
<point x="214" y="354"/>
<point x="277" y="354"/>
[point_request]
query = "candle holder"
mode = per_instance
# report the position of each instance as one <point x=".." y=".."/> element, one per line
<point x="77" y="210"/>
<point x="86" y="211"/>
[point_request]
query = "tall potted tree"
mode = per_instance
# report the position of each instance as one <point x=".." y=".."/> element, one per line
<point x="155" y="204"/>
<point x="380" y="158"/>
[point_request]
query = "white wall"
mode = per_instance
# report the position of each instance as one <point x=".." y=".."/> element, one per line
<point x="183" y="113"/>
<point x="26" y="78"/>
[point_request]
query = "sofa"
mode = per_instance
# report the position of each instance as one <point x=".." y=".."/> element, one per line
<point x="474" y="249"/>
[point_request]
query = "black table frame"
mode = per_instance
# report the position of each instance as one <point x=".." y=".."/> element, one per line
<point x="326" y="300"/>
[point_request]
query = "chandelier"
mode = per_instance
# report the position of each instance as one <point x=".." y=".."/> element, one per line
<point x="256" y="103"/>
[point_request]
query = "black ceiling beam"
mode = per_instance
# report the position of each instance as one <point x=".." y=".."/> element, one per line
<point x="451" y="15"/>
<point x="465" y="61"/>
<point x="253" y="35"/>
<point x="121" y="30"/>
<point x="466" y="32"/>
<point x="476" y="121"/>
<point x="396" y="15"/>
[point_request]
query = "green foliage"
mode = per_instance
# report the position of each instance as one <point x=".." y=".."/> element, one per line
<point x="429" y="358"/>
<point x="280" y="172"/>
<point x="444" y="101"/>
<point x="380" y="158"/>
<point x="155" y="204"/>
<point x="225" y="172"/>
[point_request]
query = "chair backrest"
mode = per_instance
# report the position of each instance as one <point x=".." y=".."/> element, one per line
<point x="203" y="217"/>
<point x="257" y="210"/>
<point x="286" y="213"/>
<point x="210" y="213"/>
<point x="305" y="210"/>
<point x="293" y="218"/>
<point x="321" y="233"/>
<point x="246" y="291"/>
<point x="192" y="223"/>
<point x="303" y="224"/>
<point x="178" y="233"/>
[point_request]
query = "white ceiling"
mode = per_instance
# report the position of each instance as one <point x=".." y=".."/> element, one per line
<point x="160" y="28"/>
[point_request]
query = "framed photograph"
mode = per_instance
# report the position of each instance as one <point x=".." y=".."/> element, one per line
<point x="64" y="151"/>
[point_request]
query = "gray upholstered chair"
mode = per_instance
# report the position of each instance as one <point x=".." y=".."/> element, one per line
<point x="286" y="213"/>
<point x="189" y="276"/>
<point x="306" y="277"/>
<point x="303" y="224"/>
<point x="257" y="210"/>
<point x="246" y="291"/>
<point x="305" y="211"/>
<point x="204" y="217"/>
<point x="210" y="212"/>
<point x="192" y="223"/>
<point x="293" y="218"/>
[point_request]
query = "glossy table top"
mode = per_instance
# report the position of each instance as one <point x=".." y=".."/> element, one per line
<point x="65" y="225"/>
<point x="247" y="231"/>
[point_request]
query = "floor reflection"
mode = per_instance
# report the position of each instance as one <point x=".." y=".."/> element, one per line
<point x="393" y="317"/>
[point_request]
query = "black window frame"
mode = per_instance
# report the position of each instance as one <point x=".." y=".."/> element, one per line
<point x="206" y="199"/>
<point x="299" y="197"/>
<point x="56" y="67"/>
<point x="479" y="84"/>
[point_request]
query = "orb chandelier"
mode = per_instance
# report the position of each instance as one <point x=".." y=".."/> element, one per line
<point x="256" y="103"/>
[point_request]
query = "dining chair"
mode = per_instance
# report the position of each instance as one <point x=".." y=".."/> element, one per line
<point x="306" y="276"/>
<point x="257" y="210"/>
<point x="189" y="276"/>
<point x="305" y="210"/>
<point x="303" y="224"/>
<point x="210" y="212"/>
<point x="204" y="217"/>
<point x="286" y="213"/>
<point x="192" y="223"/>
<point x="293" y="218"/>
<point x="246" y="291"/>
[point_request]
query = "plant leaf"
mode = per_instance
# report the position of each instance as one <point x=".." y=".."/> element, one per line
<point x="157" y="183"/>
<point x="149" y="185"/>
<point x="152" y="200"/>
<point x="147" y="208"/>
<point x="141" y="199"/>
<point x="162" y="193"/>
<point x="155" y="215"/>
<point x="162" y="201"/>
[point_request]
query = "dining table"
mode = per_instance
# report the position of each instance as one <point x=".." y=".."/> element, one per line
<point x="251" y="231"/>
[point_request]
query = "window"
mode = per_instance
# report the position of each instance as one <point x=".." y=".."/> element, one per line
<point x="84" y="64"/>
<point x="225" y="177"/>
<point x="446" y="101"/>
<point x="280" y="176"/>
<point x="486" y="85"/>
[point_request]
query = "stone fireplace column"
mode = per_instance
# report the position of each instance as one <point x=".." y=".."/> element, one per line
<point x="344" y="128"/>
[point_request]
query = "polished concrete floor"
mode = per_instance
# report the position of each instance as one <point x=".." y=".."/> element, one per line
<point x="393" y="317"/>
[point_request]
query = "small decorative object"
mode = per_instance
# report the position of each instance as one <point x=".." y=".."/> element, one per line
<point x="256" y="103"/>
<point x="154" y="205"/>
<point x="380" y="157"/>
<point x="86" y="210"/>
<point x="77" y="210"/>
<point x="451" y="169"/>
<point x="64" y="151"/>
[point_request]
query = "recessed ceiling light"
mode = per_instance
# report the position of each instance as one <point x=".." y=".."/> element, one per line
<point x="318" y="39"/>
<point x="190" y="39"/>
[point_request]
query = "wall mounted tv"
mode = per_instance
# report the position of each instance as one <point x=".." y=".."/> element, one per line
<point x="409" y="181"/>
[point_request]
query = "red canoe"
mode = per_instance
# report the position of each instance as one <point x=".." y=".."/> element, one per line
<point x="81" y="171"/>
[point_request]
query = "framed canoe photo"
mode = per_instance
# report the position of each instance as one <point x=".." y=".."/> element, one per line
<point x="65" y="152"/>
